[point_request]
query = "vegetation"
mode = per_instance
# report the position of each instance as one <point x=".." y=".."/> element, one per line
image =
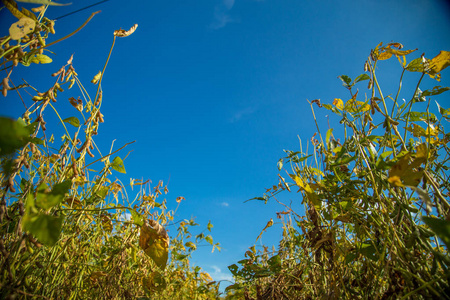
<point x="376" y="223"/>
<point x="376" y="211"/>
<point x="68" y="230"/>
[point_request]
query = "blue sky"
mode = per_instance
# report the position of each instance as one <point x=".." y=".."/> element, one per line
<point x="212" y="91"/>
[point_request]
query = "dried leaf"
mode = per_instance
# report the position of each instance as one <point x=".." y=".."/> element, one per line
<point x="154" y="240"/>
<point x="123" y="33"/>
<point x="269" y="224"/>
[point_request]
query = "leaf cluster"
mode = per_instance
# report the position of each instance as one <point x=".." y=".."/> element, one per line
<point x="69" y="229"/>
<point x="376" y="216"/>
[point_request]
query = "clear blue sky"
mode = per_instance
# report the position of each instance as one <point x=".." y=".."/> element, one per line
<point x="214" y="90"/>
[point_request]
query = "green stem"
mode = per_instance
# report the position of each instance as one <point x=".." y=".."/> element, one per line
<point x="398" y="93"/>
<point x="410" y="105"/>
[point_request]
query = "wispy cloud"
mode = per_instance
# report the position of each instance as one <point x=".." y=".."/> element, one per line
<point x="225" y="204"/>
<point x="218" y="275"/>
<point x="242" y="113"/>
<point x="221" y="14"/>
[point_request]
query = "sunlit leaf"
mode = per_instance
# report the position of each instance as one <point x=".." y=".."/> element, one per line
<point x="361" y="78"/>
<point x="209" y="239"/>
<point x="41" y="58"/>
<point x="209" y="226"/>
<point x="22" y="28"/>
<point x="191" y="245"/>
<point x="72" y="121"/>
<point x="439" y="63"/>
<point x="137" y="218"/>
<point x="44" y="2"/>
<point x="338" y="103"/>
<point x="416" y="65"/>
<point x="435" y="91"/>
<point x="419" y="116"/>
<point x="345" y="80"/>
<point x="405" y="171"/>
<point x="154" y="240"/>
<point x="356" y="106"/>
<point x="118" y="165"/>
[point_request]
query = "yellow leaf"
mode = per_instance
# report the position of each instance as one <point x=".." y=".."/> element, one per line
<point x="356" y="106"/>
<point x="41" y="58"/>
<point x="422" y="151"/>
<point x="301" y="184"/>
<point x="21" y="28"/>
<point x="269" y="224"/>
<point x="395" y="180"/>
<point x="384" y="55"/>
<point x="338" y="103"/>
<point x="205" y="276"/>
<point x="439" y="63"/>
<point x="399" y="52"/>
<point x="154" y="240"/>
<point x="406" y="170"/>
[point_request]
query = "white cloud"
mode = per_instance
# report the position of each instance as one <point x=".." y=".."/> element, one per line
<point x="125" y="217"/>
<point x="221" y="14"/>
<point x="225" y="204"/>
<point x="241" y="113"/>
<point x="228" y="4"/>
<point x="218" y="275"/>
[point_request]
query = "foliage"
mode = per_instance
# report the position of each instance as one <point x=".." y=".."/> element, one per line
<point x="68" y="230"/>
<point x="376" y="222"/>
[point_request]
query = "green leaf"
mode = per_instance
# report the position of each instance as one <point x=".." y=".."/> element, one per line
<point x="117" y="165"/>
<point x="361" y="77"/>
<point x="329" y="132"/>
<point x="275" y="264"/>
<point x="41" y="58"/>
<point x="345" y="80"/>
<point x="72" y="121"/>
<point x="44" y="2"/>
<point x="46" y="228"/>
<point x="418" y="116"/>
<point x="369" y="251"/>
<point x="48" y="200"/>
<point x="444" y="112"/>
<point x="280" y="164"/>
<point x="209" y="239"/>
<point x="435" y="91"/>
<point x="137" y="218"/>
<point x="13" y="135"/>
<point x="209" y="226"/>
<point x="191" y="245"/>
<point x="37" y="141"/>
<point x="440" y="227"/>
<point x="416" y="65"/>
